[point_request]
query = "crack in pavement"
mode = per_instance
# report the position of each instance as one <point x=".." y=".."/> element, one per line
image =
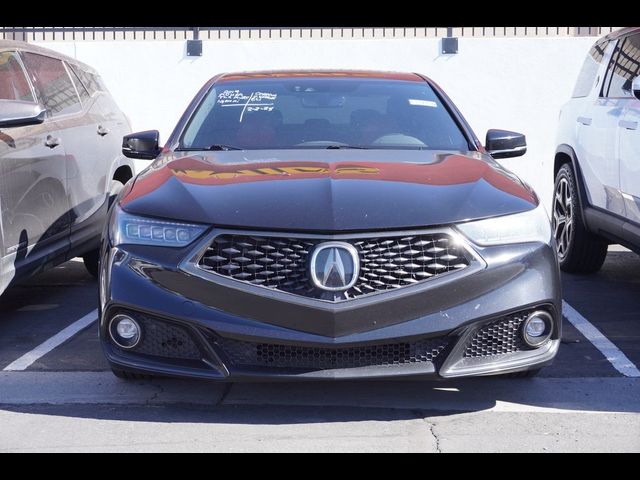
<point x="157" y="394"/>
<point x="432" y="427"/>
<point x="225" y="393"/>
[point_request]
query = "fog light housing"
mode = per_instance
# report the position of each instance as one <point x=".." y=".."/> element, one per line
<point x="125" y="331"/>
<point x="537" y="328"/>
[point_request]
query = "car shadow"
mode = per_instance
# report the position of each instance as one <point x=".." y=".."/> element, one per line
<point x="610" y="299"/>
<point x="168" y="401"/>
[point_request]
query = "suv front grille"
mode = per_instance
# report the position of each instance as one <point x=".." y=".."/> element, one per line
<point x="250" y="354"/>
<point x="386" y="263"/>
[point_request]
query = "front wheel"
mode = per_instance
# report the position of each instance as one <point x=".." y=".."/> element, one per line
<point x="92" y="262"/>
<point x="579" y="250"/>
<point x="92" y="259"/>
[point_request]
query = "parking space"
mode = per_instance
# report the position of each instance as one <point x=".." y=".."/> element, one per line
<point x="39" y="308"/>
<point x="70" y="388"/>
<point x="610" y="300"/>
<point x="46" y="304"/>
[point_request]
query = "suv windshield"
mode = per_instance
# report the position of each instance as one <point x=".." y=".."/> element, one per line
<point x="279" y="113"/>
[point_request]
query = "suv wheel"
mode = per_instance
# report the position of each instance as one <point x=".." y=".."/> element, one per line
<point x="579" y="251"/>
<point x="92" y="259"/>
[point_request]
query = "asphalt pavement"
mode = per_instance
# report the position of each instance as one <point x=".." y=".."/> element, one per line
<point x="588" y="400"/>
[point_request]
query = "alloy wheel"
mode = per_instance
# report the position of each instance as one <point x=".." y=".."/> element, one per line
<point x="563" y="217"/>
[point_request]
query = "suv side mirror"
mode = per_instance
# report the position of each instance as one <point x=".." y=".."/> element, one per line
<point x="505" y="144"/>
<point x="142" y="145"/>
<point x="635" y="87"/>
<point x="16" y="113"/>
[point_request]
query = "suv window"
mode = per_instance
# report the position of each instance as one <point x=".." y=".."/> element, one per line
<point x="13" y="82"/>
<point x="52" y="80"/>
<point x="623" y="68"/>
<point x="311" y="112"/>
<point x="82" y="91"/>
<point x="590" y="67"/>
<point x="92" y="83"/>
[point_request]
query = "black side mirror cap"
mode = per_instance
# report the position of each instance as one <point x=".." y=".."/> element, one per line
<point x="505" y="144"/>
<point x="142" y="145"/>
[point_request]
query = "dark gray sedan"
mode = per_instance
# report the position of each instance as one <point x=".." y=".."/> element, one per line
<point x="327" y="225"/>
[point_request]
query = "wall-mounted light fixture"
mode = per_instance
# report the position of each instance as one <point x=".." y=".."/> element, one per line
<point x="449" y="44"/>
<point x="194" y="47"/>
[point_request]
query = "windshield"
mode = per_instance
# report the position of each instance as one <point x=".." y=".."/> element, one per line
<point x="279" y="113"/>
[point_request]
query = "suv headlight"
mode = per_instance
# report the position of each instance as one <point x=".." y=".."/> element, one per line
<point x="127" y="229"/>
<point x="530" y="226"/>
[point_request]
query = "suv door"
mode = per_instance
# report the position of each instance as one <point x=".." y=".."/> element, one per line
<point x="34" y="218"/>
<point x="105" y="140"/>
<point x="597" y="141"/>
<point x="628" y="68"/>
<point x="77" y="129"/>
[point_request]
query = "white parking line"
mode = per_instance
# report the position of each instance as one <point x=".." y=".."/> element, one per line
<point x="58" y="339"/>
<point x="612" y="353"/>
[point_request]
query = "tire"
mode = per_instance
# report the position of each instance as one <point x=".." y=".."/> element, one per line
<point x="116" y="187"/>
<point x="92" y="262"/>
<point x="92" y="259"/>
<point x="125" y="375"/>
<point x="579" y="250"/>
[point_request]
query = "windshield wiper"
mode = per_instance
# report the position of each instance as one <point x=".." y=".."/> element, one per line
<point x="220" y="146"/>
<point x="338" y="147"/>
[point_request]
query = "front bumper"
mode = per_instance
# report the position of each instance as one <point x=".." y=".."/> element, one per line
<point x="460" y="326"/>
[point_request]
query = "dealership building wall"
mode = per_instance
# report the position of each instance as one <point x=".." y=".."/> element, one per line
<point x="514" y="83"/>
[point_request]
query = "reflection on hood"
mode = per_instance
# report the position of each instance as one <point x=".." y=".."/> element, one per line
<point x="445" y="169"/>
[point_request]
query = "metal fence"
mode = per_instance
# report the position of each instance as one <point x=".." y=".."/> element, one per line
<point x="34" y="34"/>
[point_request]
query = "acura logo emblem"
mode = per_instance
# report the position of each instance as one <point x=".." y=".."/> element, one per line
<point x="335" y="266"/>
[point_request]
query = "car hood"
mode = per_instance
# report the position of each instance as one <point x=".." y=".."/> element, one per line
<point x="327" y="190"/>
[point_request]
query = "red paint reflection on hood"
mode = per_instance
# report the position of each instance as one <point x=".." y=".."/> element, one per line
<point x="450" y="170"/>
<point x="409" y="77"/>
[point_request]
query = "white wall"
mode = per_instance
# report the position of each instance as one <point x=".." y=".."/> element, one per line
<point x="512" y="83"/>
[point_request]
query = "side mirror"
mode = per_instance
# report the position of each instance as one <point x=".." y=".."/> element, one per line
<point x="505" y="144"/>
<point x="15" y="113"/>
<point x="635" y="87"/>
<point x="142" y="145"/>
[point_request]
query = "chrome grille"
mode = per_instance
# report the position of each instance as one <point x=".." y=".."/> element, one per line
<point x="250" y="354"/>
<point x="385" y="262"/>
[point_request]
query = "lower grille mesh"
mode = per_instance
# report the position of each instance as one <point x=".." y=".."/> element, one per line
<point x="498" y="337"/>
<point x="322" y="358"/>
<point x="164" y="339"/>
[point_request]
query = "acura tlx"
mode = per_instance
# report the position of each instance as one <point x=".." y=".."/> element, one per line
<point x="305" y="225"/>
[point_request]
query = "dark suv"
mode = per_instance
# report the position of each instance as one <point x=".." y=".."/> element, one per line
<point x="60" y="160"/>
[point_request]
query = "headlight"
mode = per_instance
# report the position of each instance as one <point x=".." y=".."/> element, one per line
<point x="531" y="226"/>
<point x="131" y="229"/>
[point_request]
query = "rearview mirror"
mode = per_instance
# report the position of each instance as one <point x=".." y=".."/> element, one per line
<point x="505" y="144"/>
<point x="16" y="113"/>
<point x="142" y="145"/>
<point x="635" y="87"/>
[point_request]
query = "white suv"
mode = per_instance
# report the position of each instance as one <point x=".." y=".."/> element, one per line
<point x="597" y="162"/>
